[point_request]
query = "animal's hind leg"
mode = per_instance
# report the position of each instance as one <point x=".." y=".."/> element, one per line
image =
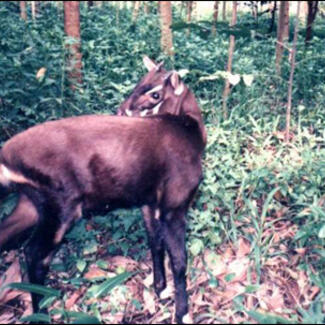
<point x="16" y="227"/>
<point x="174" y="237"/>
<point x="151" y="217"/>
<point x="53" y="224"/>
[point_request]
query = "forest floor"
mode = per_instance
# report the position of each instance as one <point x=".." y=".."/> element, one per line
<point x="221" y="287"/>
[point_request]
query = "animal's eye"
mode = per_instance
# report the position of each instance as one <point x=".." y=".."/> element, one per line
<point x="155" y="95"/>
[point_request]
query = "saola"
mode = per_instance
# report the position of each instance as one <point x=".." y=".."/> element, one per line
<point x="65" y="167"/>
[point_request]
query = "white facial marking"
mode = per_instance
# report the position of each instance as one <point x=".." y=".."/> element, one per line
<point x="157" y="88"/>
<point x="155" y="110"/>
<point x="144" y="112"/>
<point x="157" y="214"/>
<point x="128" y="112"/>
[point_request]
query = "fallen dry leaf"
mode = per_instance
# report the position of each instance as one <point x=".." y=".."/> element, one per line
<point x="95" y="272"/>
<point x="13" y="274"/>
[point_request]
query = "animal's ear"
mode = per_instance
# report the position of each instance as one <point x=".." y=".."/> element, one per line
<point x="177" y="83"/>
<point x="150" y="64"/>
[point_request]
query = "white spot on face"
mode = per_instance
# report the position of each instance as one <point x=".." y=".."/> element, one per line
<point x="155" y="110"/>
<point x="144" y="112"/>
<point x="157" y="88"/>
<point x="157" y="214"/>
<point x="128" y="112"/>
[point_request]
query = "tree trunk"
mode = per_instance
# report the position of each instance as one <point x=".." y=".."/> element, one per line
<point x="230" y="56"/>
<point x="166" y="32"/>
<point x="194" y="10"/>
<point x="280" y="36"/>
<point x="312" y="11"/>
<point x="189" y="15"/>
<point x="224" y="8"/>
<point x="23" y="13"/>
<point x="117" y="13"/>
<point x="292" y="63"/>
<point x="72" y="29"/>
<point x="135" y="10"/>
<point x="34" y="9"/>
<point x="146" y="7"/>
<point x="286" y="21"/>
<point x="303" y="11"/>
<point x="273" y="11"/>
<point x="215" y="17"/>
<point x="183" y="7"/>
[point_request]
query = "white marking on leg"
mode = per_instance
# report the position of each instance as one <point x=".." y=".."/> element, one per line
<point x="157" y="214"/>
<point x="155" y="110"/>
<point x="128" y="112"/>
<point x="144" y="112"/>
<point x="187" y="319"/>
<point x="167" y="292"/>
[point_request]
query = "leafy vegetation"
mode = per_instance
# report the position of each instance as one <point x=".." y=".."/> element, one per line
<point x="258" y="192"/>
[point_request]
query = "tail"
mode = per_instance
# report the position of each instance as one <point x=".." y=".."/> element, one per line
<point x="17" y="226"/>
<point x="4" y="183"/>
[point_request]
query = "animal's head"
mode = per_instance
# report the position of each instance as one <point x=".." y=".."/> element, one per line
<point x="161" y="92"/>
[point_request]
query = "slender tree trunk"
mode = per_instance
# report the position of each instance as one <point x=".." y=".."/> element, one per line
<point x="312" y="11"/>
<point x="224" y="8"/>
<point x="117" y="13"/>
<point x="292" y="63"/>
<point x="23" y="13"/>
<point x="303" y="11"/>
<point x="273" y="11"/>
<point x="183" y="7"/>
<point x="194" y="10"/>
<point x="215" y="17"/>
<point x="229" y="64"/>
<point x="286" y="21"/>
<point x="166" y="32"/>
<point x="72" y="29"/>
<point x="189" y="15"/>
<point x="280" y="36"/>
<point x="135" y="11"/>
<point x="146" y="7"/>
<point x="34" y="9"/>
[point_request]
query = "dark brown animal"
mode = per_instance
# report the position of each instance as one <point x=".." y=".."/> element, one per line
<point x="62" y="168"/>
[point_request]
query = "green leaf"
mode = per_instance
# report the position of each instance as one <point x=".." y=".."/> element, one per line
<point x="83" y="318"/>
<point x="99" y="290"/>
<point x="34" y="288"/>
<point x="81" y="265"/>
<point x="37" y="318"/>
<point x="196" y="247"/>
<point x="268" y="318"/>
<point x="321" y="233"/>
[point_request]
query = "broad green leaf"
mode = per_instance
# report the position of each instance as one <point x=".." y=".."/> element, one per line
<point x="37" y="318"/>
<point x="34" y="288"/>
<point x="102" y="289"/>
